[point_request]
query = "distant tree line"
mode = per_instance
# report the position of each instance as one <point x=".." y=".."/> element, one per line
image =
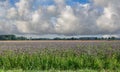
<point x="87" y="38"/>
<point x="14" y="37"/>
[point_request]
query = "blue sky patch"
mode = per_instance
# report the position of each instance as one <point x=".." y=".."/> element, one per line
<point x="50" y="2"/>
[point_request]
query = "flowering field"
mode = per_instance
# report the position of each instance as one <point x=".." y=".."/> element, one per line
<point x="60" y="55"/>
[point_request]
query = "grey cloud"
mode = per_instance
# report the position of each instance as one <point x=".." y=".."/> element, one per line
<point x="99" y="17"/>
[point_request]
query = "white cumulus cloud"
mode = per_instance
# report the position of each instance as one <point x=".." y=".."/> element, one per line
<point x="28" y="17"/>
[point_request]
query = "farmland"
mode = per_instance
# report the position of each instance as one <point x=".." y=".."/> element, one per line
<point x="60" y="55"/>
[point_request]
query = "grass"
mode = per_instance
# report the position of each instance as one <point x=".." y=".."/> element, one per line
<point x="67" y="60"/>
<point x="20" y="70"/>
<point x="55" y="60"/>
<point x="85" y="70"/>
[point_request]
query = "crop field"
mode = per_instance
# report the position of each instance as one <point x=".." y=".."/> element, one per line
<point x="60" y="55"/>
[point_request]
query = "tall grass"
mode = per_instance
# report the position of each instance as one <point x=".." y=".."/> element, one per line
<point x="59" y="60"/>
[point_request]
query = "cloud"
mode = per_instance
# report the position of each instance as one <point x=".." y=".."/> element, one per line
<point x="59" y="17"/>
<point x="24" y="7"/>
<point x="67" y="21"/>
<point x="109" y="21"/>
<point x="12" y="13"/>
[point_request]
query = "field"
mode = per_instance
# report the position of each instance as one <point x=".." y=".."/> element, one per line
<point x="60" y="55"/>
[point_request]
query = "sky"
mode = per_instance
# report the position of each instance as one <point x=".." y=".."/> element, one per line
<point x="60" y="17"/>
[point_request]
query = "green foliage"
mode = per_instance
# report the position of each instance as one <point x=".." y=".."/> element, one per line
<point x="68" y="60"/>
<point x="11" y="37"/>
<point x="83" y="70"/>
